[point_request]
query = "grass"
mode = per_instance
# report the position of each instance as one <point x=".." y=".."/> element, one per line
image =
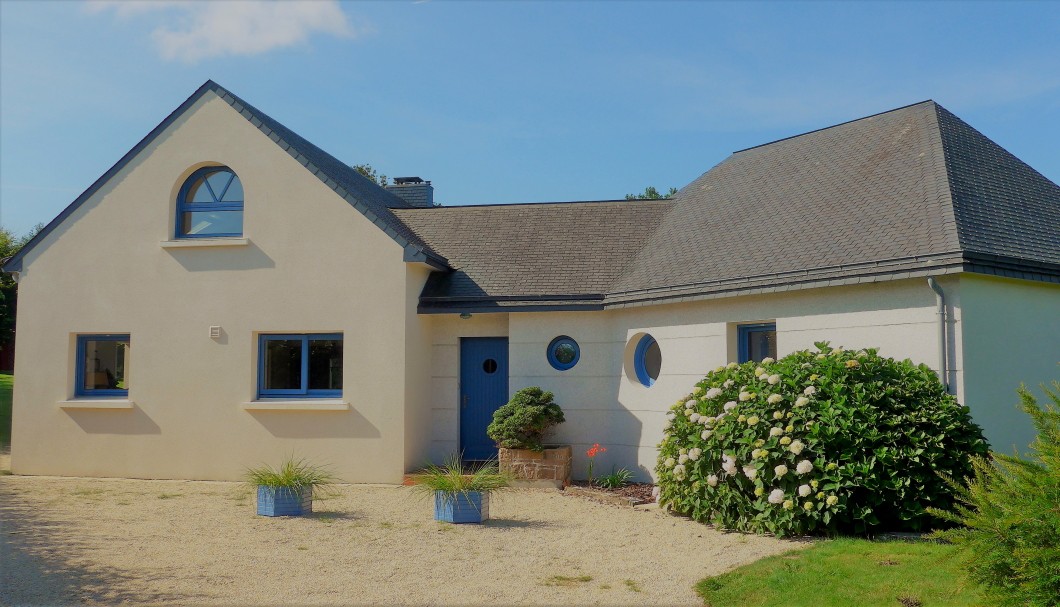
<point x="568" y="580"/>
<point x="451" y="477"/>
<point x="7" y="382"/>
<point x="843" y="572"/>
<point x="298" y="474"/>
<point x="632" y="585"/>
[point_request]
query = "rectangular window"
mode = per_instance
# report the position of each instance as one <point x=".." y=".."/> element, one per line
<point x="101" y="364"/>
<point x="756" y="342"/>
<point x="300" y="365"/>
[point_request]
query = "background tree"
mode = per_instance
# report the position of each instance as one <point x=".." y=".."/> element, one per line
<point x="9" y="245"/>
<point x="650" y="193"/>
<point x="370" y="173"/>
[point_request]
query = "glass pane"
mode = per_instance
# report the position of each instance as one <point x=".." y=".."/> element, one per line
<point x="235" y="191"/>
<point x="762" y="344"/>
<point x="205" y="223"/>
<point x="653" y="360"/>
<point x="198" y="192"/>
<point x="489" y="366"/>
<point x="105" y="364"/>
<point x="283" y="364"/>
<point x="218" y="182"/>
<point x="325" y="364"/>
<point x="564" y="352"/>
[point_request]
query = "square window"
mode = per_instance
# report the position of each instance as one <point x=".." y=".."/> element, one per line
<point x="756" y="342"/>
<point x="300" y="365"/>
<point x="102" y="361"/>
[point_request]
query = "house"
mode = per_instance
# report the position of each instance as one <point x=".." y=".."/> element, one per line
<point x="190" y="311"/>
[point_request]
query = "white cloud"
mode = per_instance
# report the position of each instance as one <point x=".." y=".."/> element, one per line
<point x="193" y="30"/>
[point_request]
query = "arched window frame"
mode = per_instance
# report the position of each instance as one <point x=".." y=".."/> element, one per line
<point x="186" y="206"/>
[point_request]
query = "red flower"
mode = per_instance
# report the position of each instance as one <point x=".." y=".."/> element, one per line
<point x="596" y="448"/>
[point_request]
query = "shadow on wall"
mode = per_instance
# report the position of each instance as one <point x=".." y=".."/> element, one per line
<point x="318" y="424"/>
<point x="116" y="421"/>
<point x="250" y="257"/>
<point x="45" y="563"/>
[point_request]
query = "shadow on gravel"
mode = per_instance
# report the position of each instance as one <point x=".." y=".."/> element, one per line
<point x="502" y="523"/>
<point x="43" y="562"/>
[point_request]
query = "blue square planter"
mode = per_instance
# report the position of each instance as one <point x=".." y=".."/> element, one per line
<point x="284" y="501"/>
<point x="470" y="507"/>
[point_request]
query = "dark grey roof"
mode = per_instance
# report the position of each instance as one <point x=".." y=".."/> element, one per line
<point x="360" y="192"/>
<point x="563" y="255"/>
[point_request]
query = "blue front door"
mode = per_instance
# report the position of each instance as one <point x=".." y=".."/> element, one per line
<point x="483" y="389"/>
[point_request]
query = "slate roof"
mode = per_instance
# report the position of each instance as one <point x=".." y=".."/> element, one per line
<point x="519" y="256"/>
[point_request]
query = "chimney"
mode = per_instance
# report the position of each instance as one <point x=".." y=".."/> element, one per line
<point x="413" y="190"/>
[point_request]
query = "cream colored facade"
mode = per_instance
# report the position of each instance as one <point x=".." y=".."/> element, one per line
<point x="309" y="263"/>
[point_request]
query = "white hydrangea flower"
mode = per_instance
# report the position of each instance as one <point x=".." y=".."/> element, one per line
<point x="788" y="504"/>
<point x="768" y="360"/>
<point x="712" y="480"/>
<point x="729" y="406"/>
<point x="679" y="472"/>
<point x="780" y="471"/>
<point x="697" y="390"/>
<point x="690" y="404"/>
<point x="727" y="459"/>
<point x="742" y="418"/>
<point x="694" y="418"/>
<point x="713" y="392"/>
<point x="745" y="396"/>
<point x="776" y="496"/>
<point x="810" y="391"/>
<point x="688" y="412"/>
<point x="694" y="454"/>
<point x="750" y="472"/>
<point x="774" y="399"/>
<point x="671" y="415"/>
<point x="801" y="401"/>
<point x="728" y="383"/>
<point x="786" y="440"/>
<point x="683" y="458"/>
<point x="759" y="371"/>
<point x="778" y="415"/>
<point x="773" y="380"/>
<point x="804" y="467"/>
<point x="820" y="357"/>
<point x="732" y="365"/>
<point x="729" y="468"/>
<point x="804" y="490"/>
<point x="753" y="420"/>
<point x="808" y="505"/>
<point x="789" y="427"/>
<point x="796" y="447"/>
<point x="669" y="463"/>
<point x="832" y="500"/>
<point x="777" y="431"/>
<point x="667" y="425"/>
<point x="705" y="435"/>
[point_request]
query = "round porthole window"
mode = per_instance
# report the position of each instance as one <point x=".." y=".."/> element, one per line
<point x="563" y="353"/>
<point x="647" y="360"/>
<point x="489" y="366"/>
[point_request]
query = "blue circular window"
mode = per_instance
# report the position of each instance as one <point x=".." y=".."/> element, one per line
<point x="563" y="353"/>
<point x="647" y="360"/>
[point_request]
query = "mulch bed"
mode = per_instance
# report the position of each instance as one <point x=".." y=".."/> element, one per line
<point x="637" y="493"/>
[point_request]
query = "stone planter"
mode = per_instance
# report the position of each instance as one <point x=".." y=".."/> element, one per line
<point x="550" y="468"/>
<point x="461" y="507"/>
<point x="284" y="501"/>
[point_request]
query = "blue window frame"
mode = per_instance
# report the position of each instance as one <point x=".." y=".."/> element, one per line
<point x="756" y="342"/>
<point x="647" y="360"/>
<point x="305" y="365"/>
<point x="210" y="204"/>
<point x="101" y="365"/>
<point x="563" y="353"/>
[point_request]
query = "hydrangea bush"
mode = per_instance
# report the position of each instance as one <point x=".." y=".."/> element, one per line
<point x="826" y="441"/>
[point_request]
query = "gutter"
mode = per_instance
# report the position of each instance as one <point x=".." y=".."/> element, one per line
<point x="940" y="301"/>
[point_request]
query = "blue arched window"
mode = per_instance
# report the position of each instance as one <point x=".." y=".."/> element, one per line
<point x="563" y="353"/>
<point x="647" y="360"/>
<point x="210" y="204"/>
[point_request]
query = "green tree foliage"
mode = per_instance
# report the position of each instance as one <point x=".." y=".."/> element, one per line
<point x="370" y="173"/>
<point x="1010" y="515"/>
<point x="650" y="193"/>
<point x="826" y="441"/>
<point x="9" y="245"/>
<point x="523" y="421"/>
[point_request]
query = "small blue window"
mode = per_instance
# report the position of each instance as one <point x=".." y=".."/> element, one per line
<point x="210" y="204"/>
<point x="756" y="342"/>
<point x="647" y="360"/>
<point x="300" y="365"/>
<point x="101" y="365"/>
<point x="563" y="353"/>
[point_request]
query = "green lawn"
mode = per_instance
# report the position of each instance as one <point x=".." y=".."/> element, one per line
<point x="6" y="382"/>
<point x="847" y="572"/>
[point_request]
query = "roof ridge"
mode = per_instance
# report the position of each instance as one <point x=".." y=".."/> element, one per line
<point x="528" y="204"/>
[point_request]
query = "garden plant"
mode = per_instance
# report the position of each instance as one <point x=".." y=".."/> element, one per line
<point x="290" y="488"/>
<point x="522" y="422"/>
<point x="1010" y="515"/>
<point x="826" y="441"/>
<point x="460" y="495"/>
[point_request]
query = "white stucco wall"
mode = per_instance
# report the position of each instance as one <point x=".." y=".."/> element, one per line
<point x="602" y="404"/>
<point x="314" y="264"/>
<point x="1011" y="336"/>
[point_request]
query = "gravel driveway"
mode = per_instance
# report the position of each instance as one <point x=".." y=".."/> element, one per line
<point x="77" y="541"/>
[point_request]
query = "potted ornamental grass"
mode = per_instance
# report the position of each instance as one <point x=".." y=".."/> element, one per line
<point x="460" y="495"/>
<point x="519" y="429"/>
<point x="289" y="489"/>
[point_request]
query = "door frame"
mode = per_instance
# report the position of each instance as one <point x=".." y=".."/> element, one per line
<point x="461" y="394"/>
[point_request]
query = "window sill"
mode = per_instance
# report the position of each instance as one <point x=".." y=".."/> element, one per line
<point x="196" y="243"/>
<point x="315" y="404"/>
<point x="97" y="403"/>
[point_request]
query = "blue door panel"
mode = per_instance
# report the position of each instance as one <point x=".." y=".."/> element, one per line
<point x="483" y="389"/>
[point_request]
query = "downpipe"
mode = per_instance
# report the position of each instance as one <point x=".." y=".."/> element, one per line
<point x="940" y="302"/>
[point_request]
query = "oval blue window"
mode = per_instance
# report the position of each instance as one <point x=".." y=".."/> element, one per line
<point x="647" y="360"/>
<point x="563" y="353"/>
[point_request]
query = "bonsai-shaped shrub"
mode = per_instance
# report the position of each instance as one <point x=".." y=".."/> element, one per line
<point x="1011" y="535"/>
<point x="828" y="441"/>
<point x="523" y="421"/>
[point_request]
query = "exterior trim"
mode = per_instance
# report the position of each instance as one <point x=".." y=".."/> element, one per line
<point x="304" y="392"/>
<point x="639" y="365"/>
<point x="79" y="371"/>
<point x="743" y="353"/>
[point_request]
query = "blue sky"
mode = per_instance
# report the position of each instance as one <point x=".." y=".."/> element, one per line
<point x="507" y="101"/>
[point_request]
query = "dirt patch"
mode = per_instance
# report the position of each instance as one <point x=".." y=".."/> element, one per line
<point x="78" y="541"/>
